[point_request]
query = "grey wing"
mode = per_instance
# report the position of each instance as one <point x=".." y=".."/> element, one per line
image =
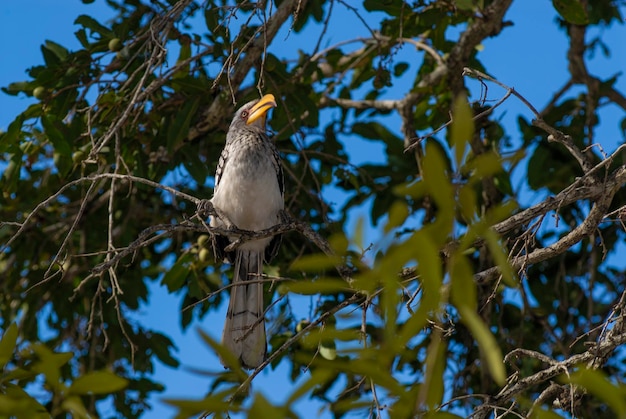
<point x="272" y="249"/>
<point x="221" y="165"/>
<point x="279" y="170"/>
<point x="221" y="242"/>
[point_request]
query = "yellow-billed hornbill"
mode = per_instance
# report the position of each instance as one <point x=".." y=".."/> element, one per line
<point x="249" y="192"/>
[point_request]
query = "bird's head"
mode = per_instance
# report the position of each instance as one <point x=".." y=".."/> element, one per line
<point x="253" y="114"/>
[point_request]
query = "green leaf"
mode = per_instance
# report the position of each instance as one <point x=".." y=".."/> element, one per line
<point x="441" y="415"/>
<point x="440" y="189"/>
<point x="262" y="408"/>
<point x="10" y="138"/>
<point x="196" y="167"/>
<point x="215" y="403"/>
<point x="183" y="55"/>
<point x="462" y="128"/>
<point x="391" y="7"/>
<point x="488" y="345"/>
<point x="467" y="202"/>
<point x="315" y="263"/>
<point x="400" y="68"/>
<point x="98" y="382"/>
<point x="431" y="276"/>
<point x="175" y="277"/>
<point x="398" y="213"/>
<point x="95" y="26"/>
<point x="32" y="409"/>
<point x="373" y="131"/>
<point x="49" y="364"/>
<point x="179" y="127"/>
<point x="18" y="374"/>
<point x="319" y="286"/>
<point x="161" y="346"/>
<point x="539" y="413"/>
<point x="58" y="50"/>
<point x="19" y="407"/>
<point x="57" y="134"/>
<point x="366" y="367"/>
<point x="501" y="258"/>
<point x="81" y="35"/>
<point x="7" y="344"/>
<point x="435" y="368"/>
<point x="483" y="165"/>
<point x="75" y="406"/>
<point x="11" y="173"/>
<point x="226" y="357"/>
<point x="359" y="230"/>
<point x="465" y="4"/>
<point x="17" y="87"/>
<point x="572" y="11"/>
<point x="463" y="288"/>
<point x="318" y="377"/>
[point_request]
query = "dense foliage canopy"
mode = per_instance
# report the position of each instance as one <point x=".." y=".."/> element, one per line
<point x="476" y="295"/>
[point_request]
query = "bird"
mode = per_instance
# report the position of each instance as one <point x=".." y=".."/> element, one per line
<point x="249" y="192"/>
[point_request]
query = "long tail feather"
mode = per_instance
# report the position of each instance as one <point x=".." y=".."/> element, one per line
<point x="244" y="329"/>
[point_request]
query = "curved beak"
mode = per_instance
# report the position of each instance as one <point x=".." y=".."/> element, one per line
<point x="259" y="110"/>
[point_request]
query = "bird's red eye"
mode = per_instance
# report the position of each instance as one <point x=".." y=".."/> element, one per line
<point x="244" y="115"/>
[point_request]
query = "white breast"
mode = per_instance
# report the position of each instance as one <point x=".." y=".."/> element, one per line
<point x="249" y="193"/>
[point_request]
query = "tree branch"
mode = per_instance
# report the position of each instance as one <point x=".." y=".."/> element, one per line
<point x="594" y="357"/>
<point x="221" y="107"/>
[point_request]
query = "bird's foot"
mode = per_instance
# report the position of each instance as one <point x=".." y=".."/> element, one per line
<point x="284" y="217"/>
<point x="205" y="209"/>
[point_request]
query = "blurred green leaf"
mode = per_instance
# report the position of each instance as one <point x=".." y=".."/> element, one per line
<point x="392" y="7"/>
<point x="462" y="127"/>
<point x="21" y="407"/>
<point x="7" y="344"/>
<point x="76" y="407"/>
<point x="397" y="215"/>
<point x="93" y="25"/>
<point x="214" y="403"/>
<point x="179" y="128"/>
<point x="467" y="202"/>
<point x="227" y="358"/>
<point x="10" y="138"/>
<point x="489" y="348"/>
<point x="318" y="286"/>
<point x="49" y="364"/>
<point x="58" y="50"/>
<point x="57" y="134"/>
<point x="435" y="369"/>
<point x="261" y="407"/>
<point x="572" y="11"/>
<point x="315" y="263"/>
<point x="98" y="382"/>
<point x="430" y="271"/>
<point x="176" y="276"/>
<point x="318" y="376"/>
<point x="374" y="131"/>
<point x="502" y="259"/>
<point x="539" y="413"/>
<point x="463" y="288"/>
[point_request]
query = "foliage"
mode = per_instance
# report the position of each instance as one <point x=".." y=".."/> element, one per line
<point x="104" y="174"/>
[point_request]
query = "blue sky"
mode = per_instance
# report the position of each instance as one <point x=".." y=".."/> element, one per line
<point x="529" y="56"/>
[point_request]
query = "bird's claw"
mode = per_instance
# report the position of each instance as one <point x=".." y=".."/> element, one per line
<point x="205" y="208"/>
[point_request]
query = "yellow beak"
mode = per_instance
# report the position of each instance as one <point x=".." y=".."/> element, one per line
<point x="259" y="110"/>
